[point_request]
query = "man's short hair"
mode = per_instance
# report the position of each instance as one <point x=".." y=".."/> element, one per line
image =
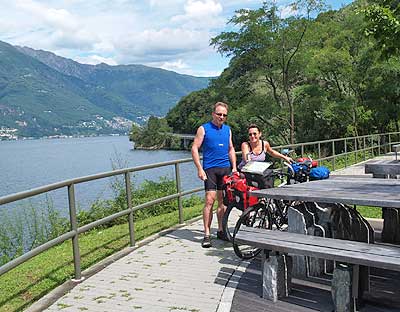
<point x="220" y="104"/>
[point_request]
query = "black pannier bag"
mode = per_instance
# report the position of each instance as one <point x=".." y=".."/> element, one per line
<point x="258" y="174"/>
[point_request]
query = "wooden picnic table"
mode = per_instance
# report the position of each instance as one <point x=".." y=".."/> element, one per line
<point x="345" y="190"/>
<point x="383" y="168"/>
<point x="376" y="192"/>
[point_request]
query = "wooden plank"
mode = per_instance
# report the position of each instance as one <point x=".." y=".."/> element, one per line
<point x="369" y="192"/>
<point x="355" y="257"/>
<point x="359" y="247"/>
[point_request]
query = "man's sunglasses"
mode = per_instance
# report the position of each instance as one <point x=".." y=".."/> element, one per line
<point x="221" y="114"/>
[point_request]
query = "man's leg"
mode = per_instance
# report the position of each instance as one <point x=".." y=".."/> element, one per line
<point x="208" y="211"/>
<point x="220" y="209"/>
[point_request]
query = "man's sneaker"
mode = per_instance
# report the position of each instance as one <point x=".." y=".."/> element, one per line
<point x="221" y="235"/>
<point x="206" y="243"/>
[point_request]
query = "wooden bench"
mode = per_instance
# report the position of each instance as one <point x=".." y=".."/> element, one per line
<point x="349" y="256"/>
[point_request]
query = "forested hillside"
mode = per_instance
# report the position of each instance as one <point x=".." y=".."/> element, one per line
<point x="42" y="94"/>
<point x="312" y="76"/>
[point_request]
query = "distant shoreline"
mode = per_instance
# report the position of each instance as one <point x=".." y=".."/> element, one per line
<point x="63" y="137"/>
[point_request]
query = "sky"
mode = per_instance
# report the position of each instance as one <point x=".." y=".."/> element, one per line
<point x="169" y="34"/>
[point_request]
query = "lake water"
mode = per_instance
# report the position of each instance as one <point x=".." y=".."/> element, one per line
<point x="28" y="164"/>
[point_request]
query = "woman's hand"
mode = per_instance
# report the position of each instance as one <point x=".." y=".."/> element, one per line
<point x="288" y="159"/>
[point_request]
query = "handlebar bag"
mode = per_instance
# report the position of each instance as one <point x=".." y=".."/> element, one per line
<point x="319" y="173"/>
<point x="258" y="174"/>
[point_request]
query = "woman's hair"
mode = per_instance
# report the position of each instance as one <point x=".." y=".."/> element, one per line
<point x="253" y="126"/>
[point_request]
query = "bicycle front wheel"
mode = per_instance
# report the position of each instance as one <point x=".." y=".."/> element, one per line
<point x="256" y="216"/>
<point x="280" y="211"/>
<point x="231" y="216"/>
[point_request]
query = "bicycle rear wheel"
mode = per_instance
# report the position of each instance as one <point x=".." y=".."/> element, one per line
<point x="231" y="216"/>
<point x="256" y="216"/>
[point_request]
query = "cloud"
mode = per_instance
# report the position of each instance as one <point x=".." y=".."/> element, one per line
<point x="60" y="28"/>
<point x="287" y="11"/>
<point x="200" y="14"/>
<point x="95" y="59"/>
<point x="160" y="45"/>
<point x="177" y="65"/>
<point x="173" y="34"/>
<point x="181" y="67"/>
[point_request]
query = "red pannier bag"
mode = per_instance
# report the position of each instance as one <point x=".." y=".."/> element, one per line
<point x="235" y="191"/>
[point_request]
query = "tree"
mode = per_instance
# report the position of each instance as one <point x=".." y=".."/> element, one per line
<point x="383" y="23"/>
<point x="269" y="46"/>
<point x="156" y="134"/>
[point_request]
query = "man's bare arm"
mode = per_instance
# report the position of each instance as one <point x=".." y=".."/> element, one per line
<point x="232" y="154"/>
<point x="198" y="141"/>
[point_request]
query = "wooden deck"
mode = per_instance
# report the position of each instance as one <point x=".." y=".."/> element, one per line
<point x="310" y="295"/>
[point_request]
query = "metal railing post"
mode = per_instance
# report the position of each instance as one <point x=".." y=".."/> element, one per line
<point x="319" y="150"/>
<point x="178" y="189"/>
<point x="302" y="150"/>
<point x="379" y="144"/>
<point x="128" y="189"/>
<point x="355" y="149"/>
<point x="365" y="156"/>
<point x="333" y="154"/>
<point x="372" y="145"/>
<point x="390" y="143"/>
<point x="345" y="153"/>
<point x="74" y="228"/>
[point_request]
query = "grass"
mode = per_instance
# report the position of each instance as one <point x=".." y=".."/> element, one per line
<point x="370" y="212"/>
<point x="24" y="285"/>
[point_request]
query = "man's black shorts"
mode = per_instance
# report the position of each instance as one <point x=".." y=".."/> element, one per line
<point x="214" y="178"/>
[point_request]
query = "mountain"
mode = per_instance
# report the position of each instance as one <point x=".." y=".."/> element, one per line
<point x="45" y="94"/>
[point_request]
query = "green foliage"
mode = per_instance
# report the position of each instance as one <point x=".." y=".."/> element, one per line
<point x="28" y="227"/>
<point x="383" y="23"/>
<point x="155" y="134"/>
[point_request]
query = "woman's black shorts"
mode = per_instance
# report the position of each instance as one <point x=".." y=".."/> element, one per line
<point x="214" y="178"/>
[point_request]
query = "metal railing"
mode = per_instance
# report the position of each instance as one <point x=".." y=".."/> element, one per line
<point x="327" y="150"/>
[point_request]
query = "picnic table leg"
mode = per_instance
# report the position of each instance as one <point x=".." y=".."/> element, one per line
<point x="347" y="287"/>
<point x="391" y="221"/>
<point x="276" y="275"/>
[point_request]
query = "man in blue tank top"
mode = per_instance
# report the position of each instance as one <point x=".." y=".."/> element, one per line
<point x="219" y="159"/>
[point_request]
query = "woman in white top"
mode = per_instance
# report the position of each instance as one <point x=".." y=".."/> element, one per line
<point x="256" y="148"/>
